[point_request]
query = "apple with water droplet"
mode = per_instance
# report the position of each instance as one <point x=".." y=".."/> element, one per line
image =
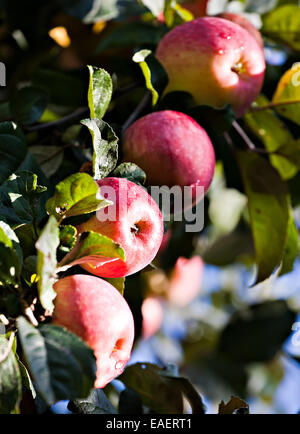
<point x="134" y="221"/>
<point x="215" y="60"/>
<point x="94" y="310"/>
<point x="245" y="23"/>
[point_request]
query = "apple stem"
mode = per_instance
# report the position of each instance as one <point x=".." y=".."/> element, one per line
<point x="272" y="105"/>
<point x="135" y="229"/>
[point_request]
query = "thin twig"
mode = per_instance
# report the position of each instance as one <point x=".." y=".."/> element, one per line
<point x="272" y="105"/>
<point x="139" y="109"/>
<point x="9" y="347"/>
<point x="250" y="145"/>
<point x="71" y="117"/>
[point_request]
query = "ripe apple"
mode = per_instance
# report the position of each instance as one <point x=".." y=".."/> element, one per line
<point x="243" y="22"/>
<point x="172" y="148"/>
<point x="185" y="280"/>
<point x="215" y="60"/>
<point x="134" y="221"/>
<point x="95" y="311"/>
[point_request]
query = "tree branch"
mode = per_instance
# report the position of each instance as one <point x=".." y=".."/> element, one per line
<point x="272" y="105"/>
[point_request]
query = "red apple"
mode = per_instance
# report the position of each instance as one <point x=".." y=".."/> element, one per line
<point x="134" y="221"/>
<point x="185" y="280"/>
<point x="215" y="60"/>
<point x="246" y="24"/>
<point x="95" y="311"/>
<point x="152" y="312"/>
<point x="172" y="149"/>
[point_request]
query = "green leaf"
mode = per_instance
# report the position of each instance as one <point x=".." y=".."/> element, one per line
<point x="175" y="14"/>
<point x="268" y="204"/>
<point x="105" y="144"/>
<point x="68" y="237"/>
<point x="291" y="248"/>
<point x="11" y="128"/>
<point x="95" y="403"/>
<point x="93" y="248"/>
<point x="10" y="378"/>
<point x="78" y="194"/>
<point x="156" y="78"/>
<point x="234" y="406"/>
<point x="48" y="157"/>
<point x="291" y="152"/>
<point x="62" y="365"/>
<point x="100" y="91"/>
<point x="229" y="248"/>
<point x="158" y="392"/>
<point x="24" y="193"/>
<point x="282" y="24"/>
<point x="26" y="380"/>
<point x="11" y="256"/>
<point x="28" y="104"/>
<point x="257" y="333"/>
<point x="186" y="388"/>
<point x="46" y="246"/>
<point x="288" y="94"/>
<point x="130" y="171"/>
<point x="12" y="154"/>
<point x="273" y="133"/>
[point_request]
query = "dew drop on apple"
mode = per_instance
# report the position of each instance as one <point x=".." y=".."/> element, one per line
<point x="225" y="36"/>
<point x="119" y="366"/>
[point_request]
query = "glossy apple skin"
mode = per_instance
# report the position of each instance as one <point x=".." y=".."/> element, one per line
<point x="215" y="60"/>
<point x="95" y="311"/>
<point x="172" y="148"/>
<point x="246" y="24"/>
<point x="137" y="226"/>
<point x="185" y="280"/>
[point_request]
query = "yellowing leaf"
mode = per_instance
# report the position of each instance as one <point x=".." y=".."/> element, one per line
<point x="273" y="133"/>
<point x="288" y="94"/>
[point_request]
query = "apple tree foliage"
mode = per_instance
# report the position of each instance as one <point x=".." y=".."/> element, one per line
<point x="62" y="112"/>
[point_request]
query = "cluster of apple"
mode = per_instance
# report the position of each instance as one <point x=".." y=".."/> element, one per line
<point x="219" y="62"/>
